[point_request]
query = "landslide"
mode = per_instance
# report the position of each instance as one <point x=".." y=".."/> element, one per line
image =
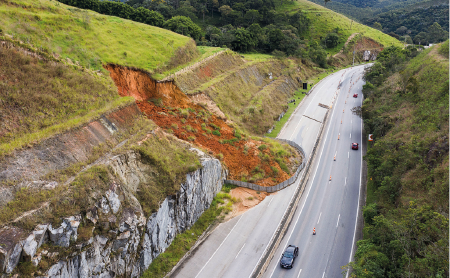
<point x="262" y="162"/>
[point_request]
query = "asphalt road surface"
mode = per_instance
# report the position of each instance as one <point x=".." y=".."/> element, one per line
<point x="235" y="247"/>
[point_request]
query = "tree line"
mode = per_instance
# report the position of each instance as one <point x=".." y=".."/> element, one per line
<point x="246" y="26"/>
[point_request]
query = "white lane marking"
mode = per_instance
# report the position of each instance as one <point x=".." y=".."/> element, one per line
<point x="270" y="201"/>
<point x="348" y="154"/>
<point x="323" y="274"/>
<point x="299" y="273"/>
<point x="319" y="217"/>
<point x="337" y="224"/>
<point x="273" y="234"/>
<point x="350" y="135"/>
<point x="314" y="177"/>
<point x="218" y="247"/>
<point x="239" y="251"/>
<point x="345" y="180"/>
<point x="351" y="121"/>
<point x="357" y="208"/>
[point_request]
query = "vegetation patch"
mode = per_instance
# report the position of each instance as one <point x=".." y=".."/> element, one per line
<point x="171" y="161"/>
<point x="406" y="216"/>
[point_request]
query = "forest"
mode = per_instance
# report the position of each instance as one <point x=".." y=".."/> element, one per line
<point x="406" y="217"/>
<point x="243" y="26"/>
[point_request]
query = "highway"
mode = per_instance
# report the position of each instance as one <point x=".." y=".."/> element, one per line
<point x="235" y="248"/>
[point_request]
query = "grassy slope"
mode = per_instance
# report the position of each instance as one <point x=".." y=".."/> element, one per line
<point x="40" y="99"/>
<point x="324" y="21"/>
<point x="88" y="37"/>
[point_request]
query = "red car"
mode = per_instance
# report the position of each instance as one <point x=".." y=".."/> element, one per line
<point x="355" y="95"/>
<point x="355" y="146"/>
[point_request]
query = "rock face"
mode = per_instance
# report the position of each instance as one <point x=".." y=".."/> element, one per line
<point x="126" y="242"/>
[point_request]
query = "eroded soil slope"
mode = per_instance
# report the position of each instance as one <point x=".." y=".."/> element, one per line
<point x="262" y="162"/>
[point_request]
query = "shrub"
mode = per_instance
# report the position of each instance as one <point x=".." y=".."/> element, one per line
<point x="183" y="120"/>
<point x="216" y="132"/>
<point x="188" y="128"/>
<point x="174" y="126"/>
<point x="219" y="156"/>
<point x="191" y="138"/>
<point x="262" y="147"/>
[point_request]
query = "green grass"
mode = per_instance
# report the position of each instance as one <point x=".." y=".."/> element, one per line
<point x="205" y="52"/>
<point x="88" y="37"/>
<point x="298" y="95"/>
<point x="258" y="57"/>
<point x="324" y="21"/>
<point x="183" y="242"/>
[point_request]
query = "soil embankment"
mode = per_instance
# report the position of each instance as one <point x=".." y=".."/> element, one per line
<point x="264" y="163"/>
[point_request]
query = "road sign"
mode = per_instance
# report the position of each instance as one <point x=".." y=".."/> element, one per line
<point x="370" y="137"/>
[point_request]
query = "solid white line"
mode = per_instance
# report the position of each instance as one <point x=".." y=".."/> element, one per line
<point x="323" y="274"/>
<point x="350" y="135"/>
<point x="359" y="196"/>
<point x="348" y="154"/>
<point x="337" y="224"/>
<point x="239" y="251"/>
<point x="319" y="217"/>
<point x="274" y="231"/>
<point x="314" y="177"/>
<point x="270" y="201"/>
<point x="299" y="273"/>
<point x="218" y="247"/>
<point x="345" y="180"/>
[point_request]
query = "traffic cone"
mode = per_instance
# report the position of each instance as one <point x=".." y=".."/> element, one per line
<point x="341" y="121"/>
<point x="343" y="110"/>
<point x="330" y="177"/>
<point x="334" y="158"/>
<point x="314" y="231"/>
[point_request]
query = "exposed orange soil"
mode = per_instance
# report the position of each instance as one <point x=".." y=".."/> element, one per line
<point x="172" y="110"/>
<point x="248" y="198"/>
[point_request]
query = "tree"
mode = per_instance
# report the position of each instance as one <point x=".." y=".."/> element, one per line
<point x="252" y="16"/>
<point x="436" y="33"/>
<point x="377" y="26"/>
<point x="183" y="25"/>
<point x="243" y="40"/>
<point x="421" y="38"/>
<point x="331" y="40"/>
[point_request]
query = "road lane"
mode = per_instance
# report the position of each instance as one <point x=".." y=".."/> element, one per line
<point x="335" y="202"/>
<point x="235" y="252"/>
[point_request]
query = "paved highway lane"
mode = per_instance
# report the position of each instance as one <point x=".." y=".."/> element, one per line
<point x="329" y="206"/>
<point x="235" y="247"/>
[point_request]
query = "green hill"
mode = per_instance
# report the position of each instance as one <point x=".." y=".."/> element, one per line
<point x="407" y="212"/>
<point x="86" y="37"/>
<point x="324" y="21"/>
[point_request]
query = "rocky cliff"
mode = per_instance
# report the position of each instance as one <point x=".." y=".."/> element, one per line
<point x="113" y="238"/>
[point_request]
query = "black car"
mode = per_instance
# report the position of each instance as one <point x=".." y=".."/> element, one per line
<point x="288" y="257"/>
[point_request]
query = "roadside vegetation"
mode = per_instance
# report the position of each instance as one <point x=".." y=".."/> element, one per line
<point x="407" y="211"/>
<point x="41" y="98"/>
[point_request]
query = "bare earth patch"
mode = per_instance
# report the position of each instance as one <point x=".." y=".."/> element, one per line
<point x="247" y="198"/>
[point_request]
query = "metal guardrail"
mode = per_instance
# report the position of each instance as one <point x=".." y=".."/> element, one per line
<point x="287" y="217"/>
<point x="279" y="186"/>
